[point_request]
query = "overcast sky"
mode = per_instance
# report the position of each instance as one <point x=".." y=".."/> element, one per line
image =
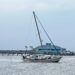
<point x="17" y="26"/>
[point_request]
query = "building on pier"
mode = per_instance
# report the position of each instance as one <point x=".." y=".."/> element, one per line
<point x="48" y="48"/>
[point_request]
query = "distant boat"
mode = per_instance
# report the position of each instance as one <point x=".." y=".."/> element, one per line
<point x="41" y="57"/>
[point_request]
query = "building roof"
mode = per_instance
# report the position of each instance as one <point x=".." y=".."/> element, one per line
<point x="49" y="46"/>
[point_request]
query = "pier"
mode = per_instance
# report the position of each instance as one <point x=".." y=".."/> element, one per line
<point x="21" y="52"/>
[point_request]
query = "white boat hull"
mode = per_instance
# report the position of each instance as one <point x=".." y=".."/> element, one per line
<point x="57" y="59"/>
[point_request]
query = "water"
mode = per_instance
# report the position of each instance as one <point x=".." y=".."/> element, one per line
<point x="14" y="65"/>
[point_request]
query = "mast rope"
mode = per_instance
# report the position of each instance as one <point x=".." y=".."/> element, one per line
<point x="45" y="32"/>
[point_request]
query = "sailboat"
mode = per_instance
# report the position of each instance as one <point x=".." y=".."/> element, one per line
<point x="41" y="57"/>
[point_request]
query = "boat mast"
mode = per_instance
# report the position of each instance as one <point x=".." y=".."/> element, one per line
<point x="37" y="28"/>
<point x="46" y="32"/>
